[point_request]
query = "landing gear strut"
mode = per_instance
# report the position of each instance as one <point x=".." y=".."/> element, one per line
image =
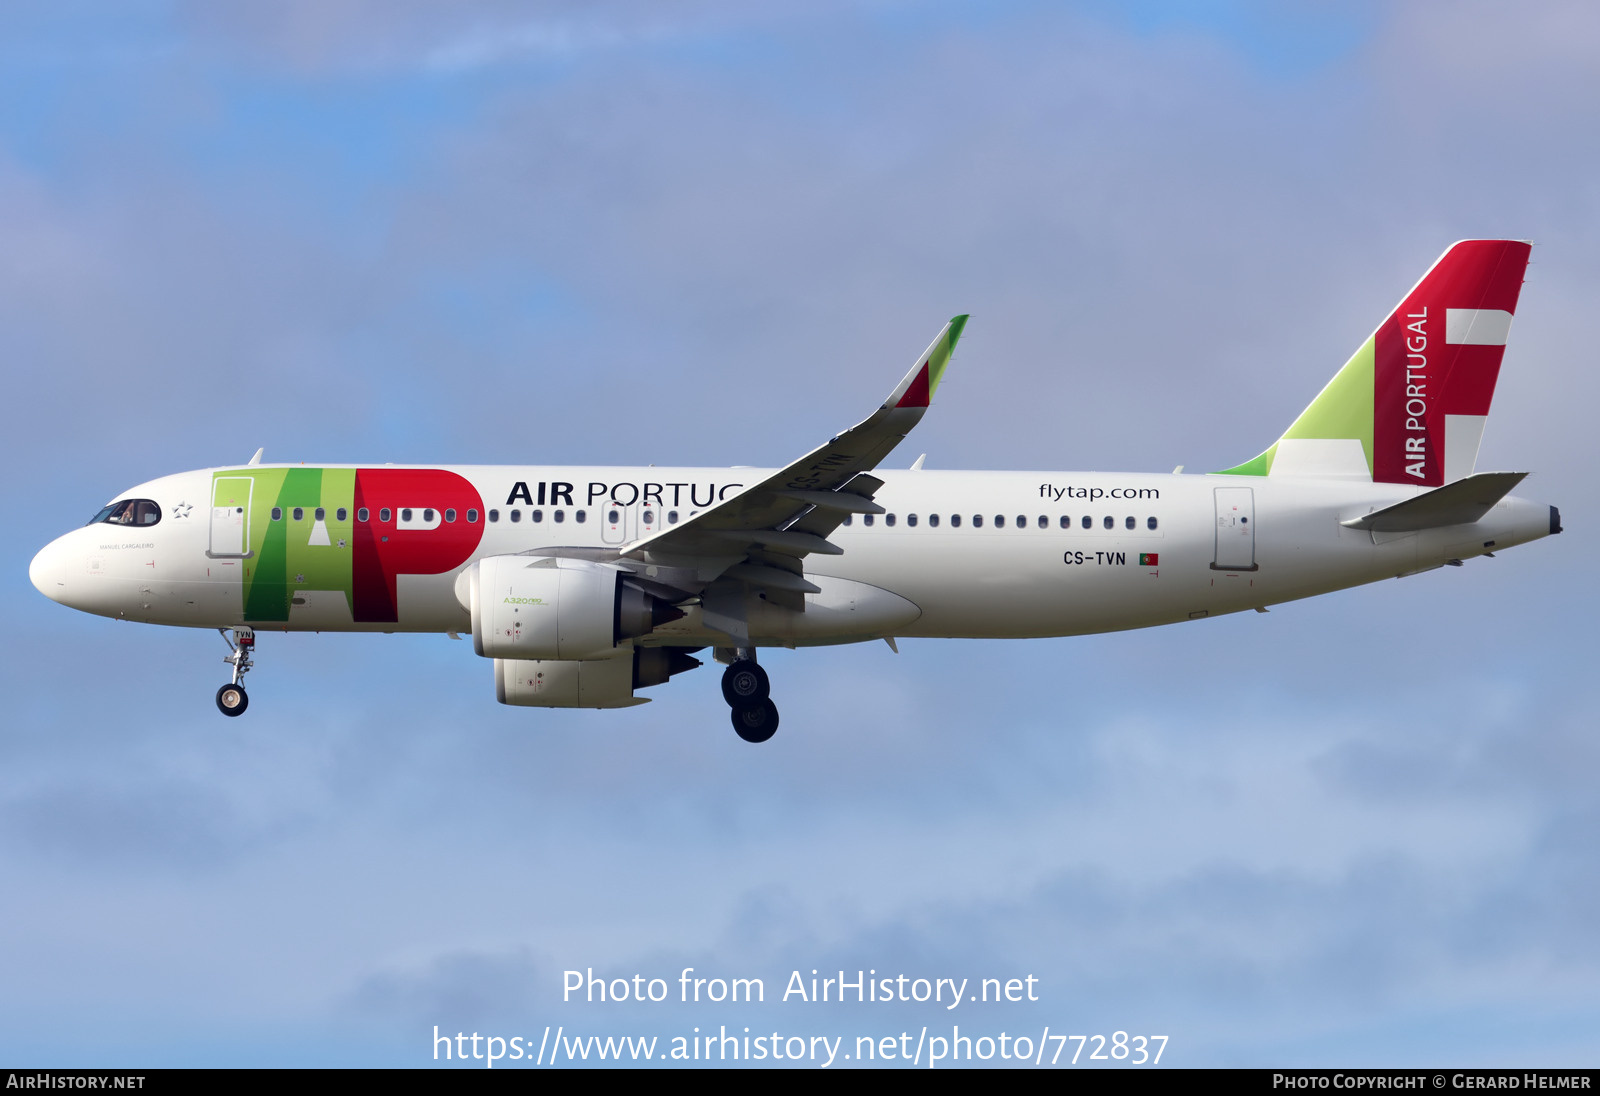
<point x="745" y="688"/>
<point x="231" y="698"/>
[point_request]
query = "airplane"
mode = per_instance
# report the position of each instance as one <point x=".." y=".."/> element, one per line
<point x="586" y="584"/>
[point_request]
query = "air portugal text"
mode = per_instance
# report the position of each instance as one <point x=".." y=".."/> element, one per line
<point x="560" y="493"/>
<point x="1416" y="451"/>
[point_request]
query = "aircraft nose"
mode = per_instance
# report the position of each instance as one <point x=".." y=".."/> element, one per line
<point x="46" y="572"/>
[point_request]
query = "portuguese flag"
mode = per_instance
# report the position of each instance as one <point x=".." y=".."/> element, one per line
<point x="1149" y="559"/>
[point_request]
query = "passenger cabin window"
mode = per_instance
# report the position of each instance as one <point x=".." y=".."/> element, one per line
<point x="1088" y="522"/>
<point x="612" y="517"/>
<point x="450" y="515"/>
<point x="405" y="515"/>
<point x="649" y="517"/>
<point x="1066" y="522"/>
<point x="129" y="512"/>
<point x="866" y="519"/>
<point x="1130" y="523"/>
<point x="341" y="514"/>
<point x="427" y="515"/>
<point x="537" y="516"/>
<point x="561" y="515"/>
<point x="277" y="513"/>
<point x="1022" y="521"/>
<point x="955" y="521"/>
<point x="888" y="519"/>
<point x="582" y="516"/>
<point x="977" y="521"/>
<point x="494" y="515"/>
<point x="1109" y="522"/>
<point x="363" y="514"/>
<point x="933" y="520"/>
<point x="299" y="513"/>
<point x="1151" y="524"/>
<point x="516" y="515"/>
<point x="320" y="514"/>
<point x="999" y="521"/>
<point x="472" y="517"/>
<point x="848" y="520"/>
<point x="911" y="520"/>
<point x="383" y="514"/>
<point x="1044" y="522"/>
<point x="672" y="517"/>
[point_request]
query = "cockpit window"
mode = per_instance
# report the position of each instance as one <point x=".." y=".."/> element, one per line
<point x="129" y="512"/>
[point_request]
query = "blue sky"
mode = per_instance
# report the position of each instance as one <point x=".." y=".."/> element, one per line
<point x="1357" y="830"/>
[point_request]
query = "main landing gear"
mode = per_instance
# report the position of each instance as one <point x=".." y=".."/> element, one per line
<point x="231" y="698"/>
<point x="745" y="688"/>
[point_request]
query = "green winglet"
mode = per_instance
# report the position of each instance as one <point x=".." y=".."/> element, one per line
<point x="941" y="357"/>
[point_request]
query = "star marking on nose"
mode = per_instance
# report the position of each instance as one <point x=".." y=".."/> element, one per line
<point x="181" y="511"/>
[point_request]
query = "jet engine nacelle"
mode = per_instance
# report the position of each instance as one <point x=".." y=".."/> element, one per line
<point x="542" y="607"/>
<point x="599" y="683"/>
<point x="596" y="683"/>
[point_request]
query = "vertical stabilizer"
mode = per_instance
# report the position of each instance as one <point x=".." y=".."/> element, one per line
<point x="1410" y="405"/>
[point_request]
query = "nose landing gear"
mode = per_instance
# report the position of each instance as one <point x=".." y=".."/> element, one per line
<point x="745" y="687"/>
<point x="231" y="698"/>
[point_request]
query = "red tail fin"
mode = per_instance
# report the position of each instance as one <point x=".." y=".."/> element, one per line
<point x="1436" y="360"/>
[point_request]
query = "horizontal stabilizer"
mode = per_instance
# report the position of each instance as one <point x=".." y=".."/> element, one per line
<point x="1460" y="503"/>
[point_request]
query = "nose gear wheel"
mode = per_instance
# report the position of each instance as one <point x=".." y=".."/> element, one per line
<point x="232" y="700"/>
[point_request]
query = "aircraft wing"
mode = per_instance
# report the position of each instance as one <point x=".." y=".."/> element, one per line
<point x="761" y="534"/>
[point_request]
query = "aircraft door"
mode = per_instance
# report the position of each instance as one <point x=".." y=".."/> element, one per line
<point x="230" y="517"/>
<point x="1236" y="529"/>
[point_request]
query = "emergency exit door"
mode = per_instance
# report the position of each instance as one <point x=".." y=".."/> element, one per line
<point x="616" y="523"/>
<point x="622" y="524"/>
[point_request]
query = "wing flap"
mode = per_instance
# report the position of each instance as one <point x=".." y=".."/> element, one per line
<point x="841" y="501"/>
<point x="783" y="540"/>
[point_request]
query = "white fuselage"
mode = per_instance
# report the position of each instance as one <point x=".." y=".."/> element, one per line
<point x="963" y="554"/>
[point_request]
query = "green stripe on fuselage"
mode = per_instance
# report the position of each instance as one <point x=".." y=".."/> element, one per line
<point x="288" y="556"/>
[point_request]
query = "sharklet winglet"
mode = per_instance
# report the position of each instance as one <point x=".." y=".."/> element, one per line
<point x="917" y="388"/>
